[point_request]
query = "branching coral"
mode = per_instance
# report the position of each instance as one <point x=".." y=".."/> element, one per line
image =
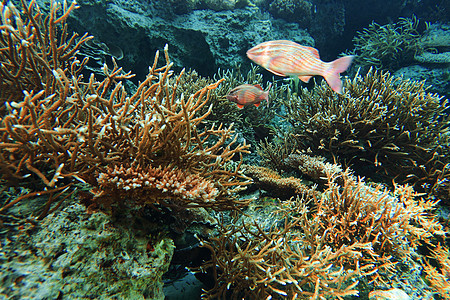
<point x="391" y="123"/>
<point x="81" y="128"/>
<point x="33" y="47"/>
<point x="439" y="277"/>
<point x="353" y="231"/>
<point x="165" y="186"/>
<point x="270" y="180"/>
<point x="274" y="153"/>
<point x="314" y="167"/>
<point x="389" y="46"/>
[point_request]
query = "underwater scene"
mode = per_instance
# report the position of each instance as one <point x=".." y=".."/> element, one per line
<point x="225" y="149"/>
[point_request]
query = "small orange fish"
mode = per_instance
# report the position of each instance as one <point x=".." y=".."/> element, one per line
<point x="247" y="94"/>
<point x="287" y="58"/>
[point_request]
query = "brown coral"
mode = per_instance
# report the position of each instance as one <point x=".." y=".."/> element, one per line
<point x="380" y="123"/>
<point x="352" y="231"/>
<point x="315" y="167"/>
<point x="166" y="186"/>
<point x="270" y="180"/>
<point x="32" y="47"/>
<point x="439" y="278"/>
<point x="76" y="128"/>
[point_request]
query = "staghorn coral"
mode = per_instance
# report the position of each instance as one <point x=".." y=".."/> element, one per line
<point x="438" y="278"/>
<point x="380" y="122"/>
<point x="270" y="180"/>
<point x="165" y="186"/>
<point x="32" y="47"/>
<point x="76" y="128"/>
<point x="389" y="46"/>
<point x="274" y="153"/>
<point x="314" y="167"/>
<point x="352" y="231"/>
<point x="251" y="263"/>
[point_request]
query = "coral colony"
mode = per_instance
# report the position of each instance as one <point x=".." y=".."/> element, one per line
<point x="162" y="146"/>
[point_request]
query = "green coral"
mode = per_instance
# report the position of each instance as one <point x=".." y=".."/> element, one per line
<point x="389" y="46"/>
<point x="379" y="123"/>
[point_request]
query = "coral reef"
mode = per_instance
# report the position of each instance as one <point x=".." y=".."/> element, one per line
<point x="352" y="231"/>
<point x="81" y="255"/>
<point x="282" y="187"/>
<point x="315" y="167"/>
<point x="438" y="278"/>
<point x="32" y="49"/>
<point x="389" y="46"/>
<point x="379" y="123"/>
<point x="436" y="44"/>
<point x="164" y="158"/>
<point x="300" y="11"/>
<point x="274" y="153"/>
<point x="165" y="186"/>
<point x="66" y="127"/>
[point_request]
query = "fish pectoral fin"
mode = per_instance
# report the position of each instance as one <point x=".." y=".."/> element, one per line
<point x="257" y="104"/>
<point x="240" y="106"/>
<point x="276" y="62"/>
<point x="305" y="78"/>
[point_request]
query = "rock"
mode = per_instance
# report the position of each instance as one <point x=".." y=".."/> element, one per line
<point x="79" y="255"/>
<point x="202" y="39"/>
<point x="438" y="79"/>
<point x="436" y="44"/>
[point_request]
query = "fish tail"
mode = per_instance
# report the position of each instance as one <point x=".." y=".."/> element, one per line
<point x="336" y="67"/>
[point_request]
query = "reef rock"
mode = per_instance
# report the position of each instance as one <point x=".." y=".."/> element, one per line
<point x="74" y="254"/>
<point x="202" y="39"/>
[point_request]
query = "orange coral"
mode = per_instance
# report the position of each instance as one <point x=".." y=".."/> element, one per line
<point x="69" y="127"/>
<point x="313" y="166"/>
<point x="439" y="279"/>
<point x="270" y="180"/>
<point x="352" y="231"/>
<point x="166" y="186"/>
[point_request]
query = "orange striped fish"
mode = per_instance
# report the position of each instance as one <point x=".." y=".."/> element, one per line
<point x="247" y="94"/>
<point x="286" y="58"/>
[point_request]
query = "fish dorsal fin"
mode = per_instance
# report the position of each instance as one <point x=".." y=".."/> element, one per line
<point x="240" y="106"/>
<point x="305" y="78"/>
<point x="259" y="87"/>
<point x="314" y="51"/>
<point x="257" y="104"/>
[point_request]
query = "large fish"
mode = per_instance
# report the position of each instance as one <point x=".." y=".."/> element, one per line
<point x="287" y="58"/>
<point x="247" y="94"/>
